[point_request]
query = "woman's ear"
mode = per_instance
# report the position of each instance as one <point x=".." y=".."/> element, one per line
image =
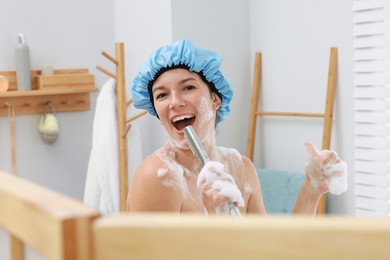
<point x="216" y="100"/>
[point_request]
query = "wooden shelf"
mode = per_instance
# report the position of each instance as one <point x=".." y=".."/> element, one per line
<point x="32" y="102"/>
<point x="47" y="92"/>
<point x="27" y="102"/>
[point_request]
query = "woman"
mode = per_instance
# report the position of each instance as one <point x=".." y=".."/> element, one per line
<point x="182" y="85"/>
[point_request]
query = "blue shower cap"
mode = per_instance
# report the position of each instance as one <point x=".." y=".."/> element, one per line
<point x="181" y="54"/>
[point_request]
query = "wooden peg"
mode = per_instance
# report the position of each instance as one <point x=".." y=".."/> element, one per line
<point x="135" y="117"/>
<point x="128" y="127"/>
<point x="129" y="102"/>
<point x="113" y="60"/>
<point x="106" y="72"/>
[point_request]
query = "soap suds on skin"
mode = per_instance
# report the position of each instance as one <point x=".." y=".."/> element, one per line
<point x="335" y="174"/>
<point x="247" y="188"/>
<point x="233" y="162"/>
<point x="214" y="174"/>
<point x="162" y="172"/>
<point x="205" y="113"/>
<point x="173" y="174"/>
<point x="229" y="154"/>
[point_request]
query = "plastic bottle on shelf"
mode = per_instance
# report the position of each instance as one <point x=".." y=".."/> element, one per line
<point x="23" y="69"/>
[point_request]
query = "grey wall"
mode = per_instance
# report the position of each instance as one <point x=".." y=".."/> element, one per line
<point x="222" y="26"/>
<point x="143" y="26"/>
<point x="65" y="34"/>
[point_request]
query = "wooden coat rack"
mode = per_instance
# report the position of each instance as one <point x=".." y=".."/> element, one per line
<point x="123" y="123"/>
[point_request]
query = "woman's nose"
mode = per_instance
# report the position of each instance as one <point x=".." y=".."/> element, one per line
<point x="176" y="101"/>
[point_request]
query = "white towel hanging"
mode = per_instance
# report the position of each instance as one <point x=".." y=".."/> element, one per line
<point x="102" y="182"/>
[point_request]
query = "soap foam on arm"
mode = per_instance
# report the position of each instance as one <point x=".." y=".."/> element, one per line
<point x="326" y="167"/>
<point x="337" y="175"/>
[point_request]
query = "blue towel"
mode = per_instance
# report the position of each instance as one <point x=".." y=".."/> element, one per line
<point x="280" y="189"/>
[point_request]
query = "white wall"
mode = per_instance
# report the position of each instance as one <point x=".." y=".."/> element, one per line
<point x="295" y="37"/>
<point x="222" y="26"/>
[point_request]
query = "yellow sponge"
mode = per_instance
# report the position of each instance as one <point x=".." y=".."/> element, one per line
<point x="49" y="128"/>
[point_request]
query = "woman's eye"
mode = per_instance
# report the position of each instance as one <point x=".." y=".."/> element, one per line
<point x="189" y="87"/>
<point x="160" y="95"/>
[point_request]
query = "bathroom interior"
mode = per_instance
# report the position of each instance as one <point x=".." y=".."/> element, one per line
<point x="294" y="37"/>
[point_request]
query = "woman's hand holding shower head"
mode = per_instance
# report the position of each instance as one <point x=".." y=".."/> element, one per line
<point x="218" y="188"/>
<point x="209" y="182"/>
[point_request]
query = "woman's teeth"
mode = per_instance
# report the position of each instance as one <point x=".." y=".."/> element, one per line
<point x="182" y="121"/>
<point x="179" y="118"/>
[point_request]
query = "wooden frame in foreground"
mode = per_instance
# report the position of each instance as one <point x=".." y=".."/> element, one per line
<point x="55" y="225"/>
<point x="62" y="228"/>
<point x="197" y="237"/>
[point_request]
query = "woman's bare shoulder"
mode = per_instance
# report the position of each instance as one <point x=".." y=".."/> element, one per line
<point x="247" y="163"/>
<point x="150" y="164"/>
<point x="249" y="169"/>
<point x="146" y="175"/>
<point x="153" y="188"/>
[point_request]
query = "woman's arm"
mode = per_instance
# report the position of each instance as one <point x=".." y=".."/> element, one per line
<point x="149" y="192"/>
<point x="325" y="171"/>
<point x="307" y="200"/>
<point x="255" y="201"/>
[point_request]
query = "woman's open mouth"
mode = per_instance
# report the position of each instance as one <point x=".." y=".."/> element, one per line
<point x="182" y="121"/>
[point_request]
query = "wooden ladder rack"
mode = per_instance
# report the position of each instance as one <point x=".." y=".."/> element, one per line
<point x="327" y="115"/>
